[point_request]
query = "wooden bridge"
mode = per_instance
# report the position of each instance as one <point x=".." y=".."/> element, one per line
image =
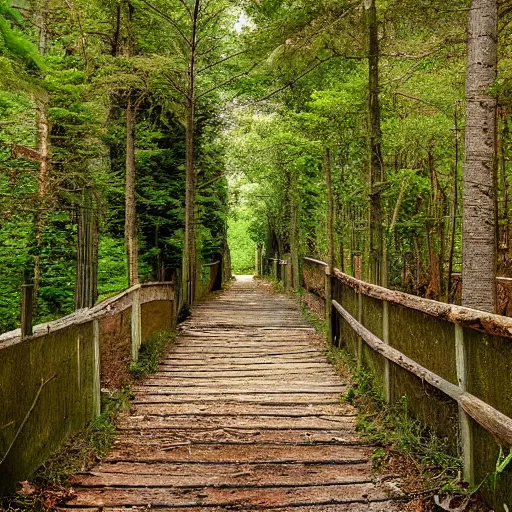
<point x="244" y="414"/>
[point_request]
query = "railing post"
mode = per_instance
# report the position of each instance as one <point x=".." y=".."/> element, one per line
<point x="96" y="388"/>
<point x="27" y="310"/>
<point x="360" y="320"/>
<point x="328" y="304"/>
<point x="464" y="419"/>
<point x="385" y="339"/>
<point x="136" y="324"/>
<point x="257" y="262"/>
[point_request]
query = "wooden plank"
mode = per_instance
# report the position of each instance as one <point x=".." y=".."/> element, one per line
<point x="247" y="498"/>
<point x="190" y="476"/>
<point x="241" y="414"/>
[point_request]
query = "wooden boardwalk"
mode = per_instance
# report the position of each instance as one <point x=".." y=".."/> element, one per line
<point x="244" y="414"/>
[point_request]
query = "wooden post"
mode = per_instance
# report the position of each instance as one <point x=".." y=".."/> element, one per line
<point x="27" y="309"/>
<point x="136" y="325"/>
<point x="257" y="262"/>
<point x="464" y="419"/>
<point x="358" y="267"/>
<point x="328" y="305"/>
<point x="360" y="320"/>
<point x="385" y="339"/>
<point x="274" y="267"/>
<point x="96" y="388"/>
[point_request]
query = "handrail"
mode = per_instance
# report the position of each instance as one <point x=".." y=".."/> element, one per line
<point x="316" y="262"/>
<point x="490" y="418"/>
<point x="490" y="323"/>
<point x="211" y="264"/>
<point x="104" y="308"/>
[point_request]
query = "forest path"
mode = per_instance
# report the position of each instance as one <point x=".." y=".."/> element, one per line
<point x="244" y="414"/>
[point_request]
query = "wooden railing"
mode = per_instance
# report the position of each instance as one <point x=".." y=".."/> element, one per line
<point x="214" y="282"/>
<point x="279" y="269"/>
<point x="50" y="381"/>
<point x="454" y="364"/>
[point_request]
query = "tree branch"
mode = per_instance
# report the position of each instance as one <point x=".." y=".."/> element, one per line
<point x="175" y="86"/>
<point x="169" y="20"/>
<point x="206" y="22"/>
<point x="294" y="81"/>
<point x="222" y="60"/>
<point x="43" y="384"/>
<point x="228" y="81"/>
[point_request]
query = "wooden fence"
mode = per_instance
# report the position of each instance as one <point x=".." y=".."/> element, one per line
<point x="50" y="382"/>
<point x="453" y="364"/>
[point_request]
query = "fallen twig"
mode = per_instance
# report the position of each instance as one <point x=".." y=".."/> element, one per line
<point x="43" y="384"/>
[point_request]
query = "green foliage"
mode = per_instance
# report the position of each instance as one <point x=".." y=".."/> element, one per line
<point x="150" y="353"/>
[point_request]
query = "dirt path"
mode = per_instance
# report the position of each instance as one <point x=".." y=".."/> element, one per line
<point x="244" y="414"/>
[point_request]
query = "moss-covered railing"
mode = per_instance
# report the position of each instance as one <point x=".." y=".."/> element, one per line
<point x="50" y="382"/>
<point x="454" y="364"/>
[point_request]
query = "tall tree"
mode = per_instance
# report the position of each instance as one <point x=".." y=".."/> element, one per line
<point x="479" y="217"/>
<point x="375" y="137"/>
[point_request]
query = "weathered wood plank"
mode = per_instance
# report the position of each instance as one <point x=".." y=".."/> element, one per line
<point x="243" y="413"/>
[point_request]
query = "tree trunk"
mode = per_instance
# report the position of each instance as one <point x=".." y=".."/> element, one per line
<point x="455" y="203"/>
<point x="86" y="285"/>
<point x="189" y="253"/>
<point x="190" y="245"/>
<point x="330" y="212"/>
<point x="479" y="221"/>
<point x="43" y="136"/>
<point x="130" y="228"/>
<point x="294" y="229"/>
<point x="376" y="163"/>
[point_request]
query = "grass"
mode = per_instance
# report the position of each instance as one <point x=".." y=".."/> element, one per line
<point x="396" y="435"/>
<point x="150" y="353"/>
<point x="391" y="425"/>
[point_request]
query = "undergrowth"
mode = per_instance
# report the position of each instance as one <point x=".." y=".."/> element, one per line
<point x="150" y="353"/>
<point x="391" y="426"/>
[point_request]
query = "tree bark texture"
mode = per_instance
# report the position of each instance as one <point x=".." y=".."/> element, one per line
<point x="86" y="286"/>
<point x="455" y="202"/>
<point x="330" y="212"/>
<point x="130" y="228"/>
<point x="190" y="245"/>
<point x="479" y="217"/>
<point x="376" y="162"/>
<point x="294" y="229"/>
<point x="43" y="142"/>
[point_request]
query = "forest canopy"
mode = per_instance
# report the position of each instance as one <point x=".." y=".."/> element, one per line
<point x="140" y="139"/>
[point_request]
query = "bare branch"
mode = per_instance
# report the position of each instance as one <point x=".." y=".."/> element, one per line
<point x="222" y="60"/>
<point x="209" y="182"/>
<point x="416" y="98"/>
<point x="209" y="19"/>
<point x="187" y="7"/>
<point x="290" y="83"/>
<point x="175" y="86"/>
